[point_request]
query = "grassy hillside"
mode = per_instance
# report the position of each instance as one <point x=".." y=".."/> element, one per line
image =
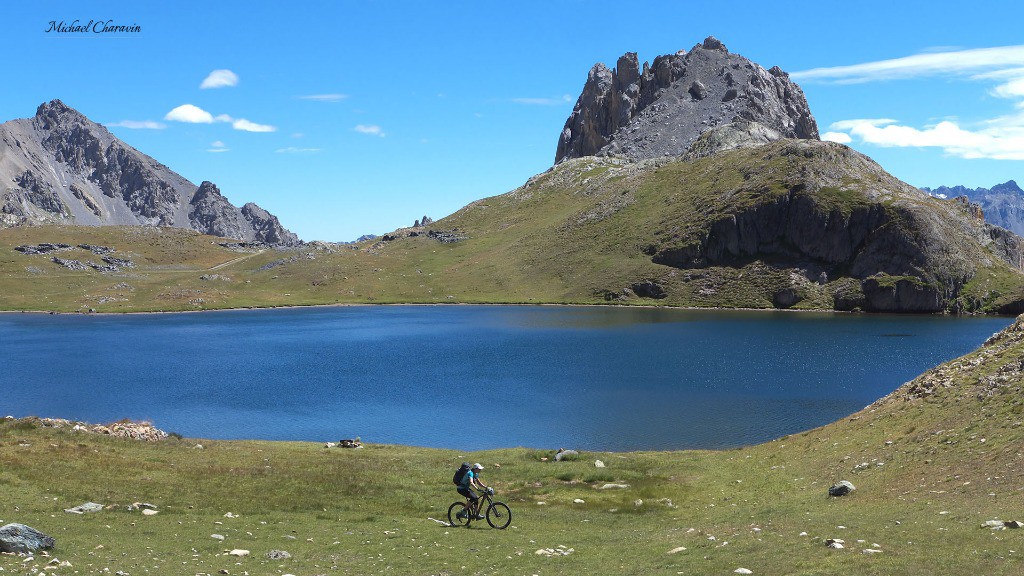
<point x="931" y="463"/>
<point x="790" y="224"/>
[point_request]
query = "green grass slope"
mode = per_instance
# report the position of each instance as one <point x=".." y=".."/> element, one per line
<point x="792" y="224"/>
<point x="931" y="463"/>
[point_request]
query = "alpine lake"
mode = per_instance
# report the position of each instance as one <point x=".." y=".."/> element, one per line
<point x="473" y="377"/>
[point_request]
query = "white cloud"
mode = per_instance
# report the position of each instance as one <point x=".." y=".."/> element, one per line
<point x="544" y="101"/>
<point x="325" y="97"/>
<point x="372" y="129"/>
<point x="243" y="124"/>
<point x="138" y="125"/>
<point x="840" y="137"/>
<point x="1012" y="89"/>
<point x="189" y="113"/>
<point x="999" y="141"/>
<point x="294" y="150"/>
<point x="196" y="115"/>
<point x="220" y="79"/>
<point x="957" y="62"/>
<point x="999" y="138"/>
<point x="218" y="146"/>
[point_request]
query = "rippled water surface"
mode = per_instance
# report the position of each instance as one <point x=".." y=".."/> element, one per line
<point x="473" y="377"/>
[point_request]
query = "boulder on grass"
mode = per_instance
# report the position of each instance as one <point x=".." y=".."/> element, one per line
<point x="18" y="538"/>
<point x="564" y="454"/>
<point x="841" y="488"/>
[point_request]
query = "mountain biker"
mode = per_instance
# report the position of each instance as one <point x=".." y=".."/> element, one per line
<point x="471" y="478"/>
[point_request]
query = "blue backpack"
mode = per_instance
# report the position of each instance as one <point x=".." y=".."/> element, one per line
<point x="460" y="473"/>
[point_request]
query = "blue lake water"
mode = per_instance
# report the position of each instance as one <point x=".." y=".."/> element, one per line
<point x="473" y="377"/>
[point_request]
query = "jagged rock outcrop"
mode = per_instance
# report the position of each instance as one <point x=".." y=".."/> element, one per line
<point x="662" y="109"/>
<point x="61" y="167"/>
<point x="211" y="213"/>
<point x="1002" y="205"/>
<point x="266" y="227"/>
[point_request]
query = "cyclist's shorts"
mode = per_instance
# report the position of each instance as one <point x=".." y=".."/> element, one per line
<point x="468" y="493"/>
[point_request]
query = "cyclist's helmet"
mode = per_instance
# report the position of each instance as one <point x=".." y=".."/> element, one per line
<point x="477" y="466"/>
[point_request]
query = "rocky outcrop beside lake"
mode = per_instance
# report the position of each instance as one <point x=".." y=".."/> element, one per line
<point x="904" y="254"/>
<point x="123" y="428"/>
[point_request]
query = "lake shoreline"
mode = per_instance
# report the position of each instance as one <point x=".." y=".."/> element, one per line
<point x="506" y="304"/>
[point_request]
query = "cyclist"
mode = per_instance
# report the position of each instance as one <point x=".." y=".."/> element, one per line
<point x="469" y="479"/>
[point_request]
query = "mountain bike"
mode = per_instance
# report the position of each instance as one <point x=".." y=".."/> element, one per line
<point x="498" y="514"/>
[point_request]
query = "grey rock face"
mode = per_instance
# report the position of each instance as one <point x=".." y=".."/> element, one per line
<point x="266" y="227"/>
<point x="663" y="109"/>
<point x="738" y="134"/>
<point x="39" y="192"/>
<point x="211" y="213"/>
<point x="21" y="539"/>
<point x="60" y="167"/>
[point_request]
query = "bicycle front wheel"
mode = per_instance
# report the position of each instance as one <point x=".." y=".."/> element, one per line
<point x="458" y="514"/>
<point x="499" y="515"/>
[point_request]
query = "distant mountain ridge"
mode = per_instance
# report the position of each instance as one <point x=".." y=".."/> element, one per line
<point x="59" y="167"/>
<point x="1002" y="204"/>
<point x="663" y="108"/>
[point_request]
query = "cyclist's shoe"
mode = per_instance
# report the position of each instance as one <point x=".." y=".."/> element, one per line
<point x="479" y="517"/>
<point x="462" y="514"/>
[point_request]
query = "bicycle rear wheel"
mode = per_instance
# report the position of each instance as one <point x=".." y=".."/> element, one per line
<point x="458" y="514"/>
<point x="499" y="515"/>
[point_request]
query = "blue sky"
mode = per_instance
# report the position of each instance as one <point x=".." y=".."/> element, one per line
<point x="345" y="118"/>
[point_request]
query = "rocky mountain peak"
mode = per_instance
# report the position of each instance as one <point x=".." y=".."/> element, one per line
<point x="53" y="114"/>
<point x="661" y="108"/>
<point x="59" y="167"/>
<point x="206" y="189"/>
<point x="712" y="43"/>
<point x="1002" y="205"/>
<point x="1008" y="187"/>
